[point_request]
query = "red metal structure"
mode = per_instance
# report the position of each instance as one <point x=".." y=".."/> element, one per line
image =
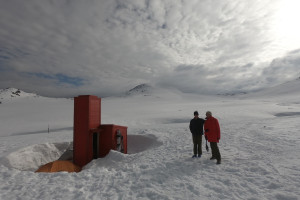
<point x="91" y="139"/>
<point x="112" y="137"/>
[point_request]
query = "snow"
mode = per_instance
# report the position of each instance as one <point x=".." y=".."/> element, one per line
<point x="144" y="89"/>
<point x="13" y="93"/>
<point x="260" y="148"/>
<point x="29" y="158"/>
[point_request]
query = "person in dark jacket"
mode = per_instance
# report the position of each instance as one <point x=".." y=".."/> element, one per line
<point x="213" y="135"/>
<point x="196" y="128"/>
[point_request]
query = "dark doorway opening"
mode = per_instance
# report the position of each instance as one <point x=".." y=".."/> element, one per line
<point x="95" y="145"/>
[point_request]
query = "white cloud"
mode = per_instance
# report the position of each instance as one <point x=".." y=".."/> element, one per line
<point x="283" y="69"/>
<point x="114" y="45"/>
<point x="228" y="79"/>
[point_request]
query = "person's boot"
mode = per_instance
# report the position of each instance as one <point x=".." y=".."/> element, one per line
<point x="212" y="158"/>
<point x="218" y="162"/>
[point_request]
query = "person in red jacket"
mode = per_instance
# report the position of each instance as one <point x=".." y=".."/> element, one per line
<point x="213" y="135"/>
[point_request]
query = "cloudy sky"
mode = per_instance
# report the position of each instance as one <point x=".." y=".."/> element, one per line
<point x="105" y="47"/>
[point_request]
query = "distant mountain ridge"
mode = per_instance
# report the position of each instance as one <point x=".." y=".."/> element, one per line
<point x="13" y="93"/>
<point x="285" y="89"/>
<point x="142" y="89"/>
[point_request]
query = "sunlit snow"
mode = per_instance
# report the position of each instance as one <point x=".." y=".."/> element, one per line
<point x="260" y="145"/>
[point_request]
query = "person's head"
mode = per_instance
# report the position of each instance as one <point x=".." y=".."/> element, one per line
<point x="196" y="114"/>
<point x="208" y="114"/>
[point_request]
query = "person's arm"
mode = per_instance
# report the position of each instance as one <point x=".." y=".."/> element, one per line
<point x="202" y="126"/>
<point x="218" y="130"/>
<point x="205" y="130"/>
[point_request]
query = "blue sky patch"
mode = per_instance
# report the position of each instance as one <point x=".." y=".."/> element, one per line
<point x="3" y="66"/>
<point x="61" y="78"/>
<point x="76" y="81"/>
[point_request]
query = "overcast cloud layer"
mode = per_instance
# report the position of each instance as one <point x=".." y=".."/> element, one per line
<point x="67" y="48"/>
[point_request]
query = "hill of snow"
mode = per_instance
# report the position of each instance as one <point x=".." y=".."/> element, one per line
<point x="291" y="88"/>
<point x="142" y="89"/>
<point x="13" y="93"/>
<point x="260" y="145"/>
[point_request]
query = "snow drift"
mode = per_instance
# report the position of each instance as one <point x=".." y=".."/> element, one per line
<point x="32" y="157"/>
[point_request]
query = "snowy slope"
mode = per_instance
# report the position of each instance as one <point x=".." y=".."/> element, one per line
<point x="142" y="89"/>
<point x="288" y="88"/>
<point x="13" y="93"/>
<point x="289" y="91"/>
<point x="24" y="113"/>
<point x="259" y="147"/>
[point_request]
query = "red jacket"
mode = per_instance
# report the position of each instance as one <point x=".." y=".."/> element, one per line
<point x="212" y="129"/>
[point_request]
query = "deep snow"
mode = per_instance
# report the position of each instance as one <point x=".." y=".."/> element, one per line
<point x="260" y="138"/>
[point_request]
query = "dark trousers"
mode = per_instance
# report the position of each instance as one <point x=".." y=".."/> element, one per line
<point x="197" y="140"/>
<point x="215" y="151"/>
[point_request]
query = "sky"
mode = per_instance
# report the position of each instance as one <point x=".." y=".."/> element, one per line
<point x="68" y="48"/>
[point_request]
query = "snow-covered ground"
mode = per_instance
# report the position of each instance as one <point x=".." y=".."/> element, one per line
<point x="260" y="147"/>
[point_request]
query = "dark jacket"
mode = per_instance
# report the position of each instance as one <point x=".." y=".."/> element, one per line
<point x="196" y="126"/>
